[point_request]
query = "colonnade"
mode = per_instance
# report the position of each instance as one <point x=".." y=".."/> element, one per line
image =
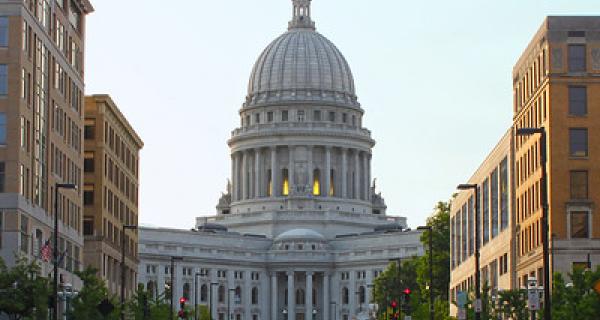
<point x="331" y="171"/>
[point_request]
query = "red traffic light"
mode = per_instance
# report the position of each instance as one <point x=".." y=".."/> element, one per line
<point x="182" y="300"/>
<point x="407" y="291"/>
<point x="394" y="304"/>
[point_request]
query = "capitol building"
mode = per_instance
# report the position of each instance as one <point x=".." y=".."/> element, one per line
<point x="300" y="233"/>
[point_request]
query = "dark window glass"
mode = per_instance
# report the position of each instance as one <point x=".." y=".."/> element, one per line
<point x="88" y="227"/>
<point x="284" y="115"/>
<point x="579" y="185"/>
<point x="88" y="132"/>
<point x="471" y="231"/>
<point x="3" y="31"/>
<point x="464" y="234"/>
<point x="247" y="120"/>
<point x="270" y="116"/>
<point x="576" y="58"/>
<point x="503" y="194"/>
<point x="257" y="118"/>
<point x="344" y="117"/>
<point x="579" y="224"/>
<point x="88" y="165"/>
<point x="88" y="198"/>
<point x="2" y="176"/>
<point x="485" y="194"/>
<point x="317" y="115"/>
<point x="331" y="116"/>
<point x="578" y="142"/>
<point x="577" y="101"/>
<point x="494" y="197"/>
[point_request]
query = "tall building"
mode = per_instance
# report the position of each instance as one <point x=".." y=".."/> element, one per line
<point x="110" y="192"/>
<point x="556" y="87"/>
<point x="300" y="232"/>
<point x="41" y="125"/>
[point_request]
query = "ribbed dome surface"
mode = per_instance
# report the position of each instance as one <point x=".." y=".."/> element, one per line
<point x="301" y="65"/>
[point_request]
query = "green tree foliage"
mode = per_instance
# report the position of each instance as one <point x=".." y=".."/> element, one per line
<point x="414" y="273"/>
<point x="143" y="306"/>
<point x="23" y="292"/>
<point x="204" y="313"/>
<point x="85" y="305"/>
<point x="576" y="300"/>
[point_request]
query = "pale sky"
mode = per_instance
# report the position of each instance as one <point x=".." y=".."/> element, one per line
<point x="434" y="79"/>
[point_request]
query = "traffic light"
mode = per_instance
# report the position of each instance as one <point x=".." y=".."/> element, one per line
<point x="406" y="297"/>
<point x="181" y="314"/>
<point x="393" y="304"/>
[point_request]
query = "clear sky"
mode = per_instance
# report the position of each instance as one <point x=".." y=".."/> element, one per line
<point x="434" y="78"/>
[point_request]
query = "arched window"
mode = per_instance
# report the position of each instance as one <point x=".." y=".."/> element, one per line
<point x="314" y="297"/>
<point x="203" y="293"/>
<point x="151" y="287"/>
<point x="186" y="291"/>
<point x="221" y="294"/>
<point x="255" y="295"/>
<point x="285" y="186"/>
<point x="331" y="183"/>
<point x="316" y="182"/>
<point x="361" y="295"/>
<point x="300" y="297"/>
<point x="238" y="295"/>
<point x="285" y="297"/>
<point x="345" y="296"/>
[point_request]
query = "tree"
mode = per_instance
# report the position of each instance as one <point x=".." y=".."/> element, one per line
<point x="576" y="300"/>
<point x="85" y="304"/>
<point x="143" y="306"/>
<point x="23" y="292"/>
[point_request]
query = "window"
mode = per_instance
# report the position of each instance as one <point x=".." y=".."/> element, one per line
<point x="504" y="194"/>
<point x="345" y="296"/>
<point x="576" y="58"/>
<point x="74" y="15"/>
<point x="186" y="291"/>
<point x="316" y="182"/>
<point x="88" y="197"/>
<point x="257" y="118"/>
<point x="300" y="115"/>
<point x="331" y="116"/>
<point x="88" y="132"/>
<point x="255" y="295"/>
<point x="88" y="227"/>
<point x="317" y="115"/>
<point x="579" y="184"/>
<point x="270" y="116"/>
<point x="284" y="115"/>
<point x="344" y="117"/>
<point x="2" y="176"/>
<point x="494" y="198"/>
<point x="578" y="142"/>
<point x="486" y="210"/>
<point x="221" y="294"/>
<point x="237" y="297"/>
<point x="3" y="31"/>
<point x="3" y="79"/>
<point x="24" y="233"/>
<point x="361" y="295"/>
<point x="203" y="293"/>
<point x="285" y="185"/>
<point x="88" y="164"/>
<point x="247" y="120"/>
<point x="577" y="101"/>
<point x="579" y="224"/>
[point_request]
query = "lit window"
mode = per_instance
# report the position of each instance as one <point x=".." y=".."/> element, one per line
<point x="285" y="185"/>
<point x="316" y="182"/>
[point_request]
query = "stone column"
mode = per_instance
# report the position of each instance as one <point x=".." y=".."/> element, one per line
<point x="244" y="175"/>
<point x="356" y="174"/>
<point x="310" y="170"/>
<point x="326" y="296"/>
<point x="308" y="294"/>
<point x="273" y="295"/>
<point x="291" y="296"/>
<point x="213" y="291"/>
<point x="369" y="287"/>
<point x="368" y="176"/>
<point x="274" y="169"/>
<point x="231" y="300"/>
<point x="365" y="176"/>
<point x="344" y="173"/>
<point x="160" y="285"/>
<point x="327" y="173"/>
<point x="234" y="177"/>
<point x="247" y="296"/>
<point x="352" y="293"/>
<point x="257" y="176"/>
<point x="336" y="294"/>
<point x="291" y="171"/>
<point x="263" y="298"/>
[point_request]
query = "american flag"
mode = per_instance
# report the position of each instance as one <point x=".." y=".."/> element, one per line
<point x="46" y="251"/>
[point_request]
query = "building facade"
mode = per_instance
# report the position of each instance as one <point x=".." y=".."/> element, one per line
<point x="496" y="225"/>
<point x="556" y="87"/>
<point x="41" y="126"/>
<point x="110" y="192"/>
<point x="300" y="232"/>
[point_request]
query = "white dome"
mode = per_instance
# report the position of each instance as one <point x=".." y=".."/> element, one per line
<point x="300" y="234"/>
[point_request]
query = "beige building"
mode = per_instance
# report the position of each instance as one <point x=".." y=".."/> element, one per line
<point x="496" y="225"/>
<point x="41" y="129"/>
<point x="110" y="192"/>
<point x="556" y="86"/>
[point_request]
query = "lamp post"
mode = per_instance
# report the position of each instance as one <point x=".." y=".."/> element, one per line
<point x="544" y="200"/>
<point x="173" y="259"/>
<point x="430" y="229"/>
<point x="477" y="308"/>
<point x="55" y="250"/>
<point x="284" y="312"/>
<point x="314" y="313"/>
<point x="125" y="227"/>
<point x="210" y="302"/>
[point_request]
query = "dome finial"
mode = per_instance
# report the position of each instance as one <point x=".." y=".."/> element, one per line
<point x="301" y="15"/>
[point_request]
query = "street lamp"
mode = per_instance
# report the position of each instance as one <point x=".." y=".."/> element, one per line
<point x="544" y="200"/>
<point x="284" y="312"/>
<point x="56" y="255"/>
<point x="477" y="308"/>
<point x="314" y="313"/>
<point x="125" y="227"/>
<point x="430" y="229"/>
<point x="173" y="259"/>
